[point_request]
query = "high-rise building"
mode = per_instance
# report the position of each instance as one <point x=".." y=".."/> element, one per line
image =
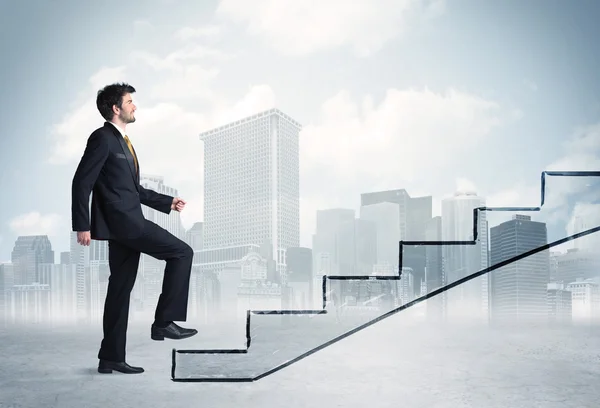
<point x="519" y="289"/>
<point x="470" y="299"/>
<point x="559" y="303"/>
<point x="62" y="282"/>
<point x="80" y="257"/>
<point x="576" y="264"/>
<point x="251" y="183"/>
<point x="28" y="253"/>
<point x="299" y="262"/>
<point x="414" y="216"/>
<point x="585" y="300"/>
<point x="172" y="221"/>
<point x="326" y="260"/>
<point x="415" y="212"/>
<point x="386" y="217"/>
<point x="356" y="246"/>
<point x="300" y="278"/>
<point x="28" y="303"/>
<point x="195" y="235"/>
<point x="148" y="285"/>
<point x="7" y="280"/>
<point x="434" y="271"/>
<point x="553" y="266"/>
<point x="420" y="211"/>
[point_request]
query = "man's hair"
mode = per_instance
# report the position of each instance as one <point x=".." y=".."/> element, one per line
<point x="112" y="95"/>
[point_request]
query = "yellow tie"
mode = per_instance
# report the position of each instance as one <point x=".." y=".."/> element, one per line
<point x="132" y="153"/>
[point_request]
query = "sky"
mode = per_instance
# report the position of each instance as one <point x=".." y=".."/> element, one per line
<point x="427" y="95"/>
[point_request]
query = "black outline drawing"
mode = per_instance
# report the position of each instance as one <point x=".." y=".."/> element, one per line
<point x="387" y="277"/>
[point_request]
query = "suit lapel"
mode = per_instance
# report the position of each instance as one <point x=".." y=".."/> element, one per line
<point x="127" y="154"/>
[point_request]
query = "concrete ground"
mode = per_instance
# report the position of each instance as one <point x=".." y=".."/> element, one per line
<point x="395" y="363"/>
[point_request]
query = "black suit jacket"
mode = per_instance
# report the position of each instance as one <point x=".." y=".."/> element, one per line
<point x="107" y="168"/>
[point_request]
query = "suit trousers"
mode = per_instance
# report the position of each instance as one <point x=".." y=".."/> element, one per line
<point x="123" y="259"/>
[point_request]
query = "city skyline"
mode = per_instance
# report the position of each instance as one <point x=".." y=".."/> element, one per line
<point x="581" y="215"/>
<point x="456" y="224"/>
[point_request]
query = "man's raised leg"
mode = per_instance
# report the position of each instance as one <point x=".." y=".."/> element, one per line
<point x="173" y="301"/>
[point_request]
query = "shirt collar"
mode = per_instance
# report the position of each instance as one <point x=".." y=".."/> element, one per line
<point x="118" y="128"/>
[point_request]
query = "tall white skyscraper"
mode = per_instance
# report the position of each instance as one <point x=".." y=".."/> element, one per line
<point x="469" y="300"/>
<point x="251" y="183"/>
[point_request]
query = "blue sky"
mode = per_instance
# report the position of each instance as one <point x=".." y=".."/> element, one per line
<point x="423" y="95"/>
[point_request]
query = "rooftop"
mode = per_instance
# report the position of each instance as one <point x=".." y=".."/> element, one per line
<point x="273" y="111"/>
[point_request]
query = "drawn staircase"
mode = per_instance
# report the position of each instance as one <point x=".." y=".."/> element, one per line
<point x="275" y="339"/>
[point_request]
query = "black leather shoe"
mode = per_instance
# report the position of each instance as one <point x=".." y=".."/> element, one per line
<point x="107" y="367"/>
<point x="172" y="331"/>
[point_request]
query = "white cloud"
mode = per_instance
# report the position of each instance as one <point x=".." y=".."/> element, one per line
<point x="357" y="147"/>
<point x="70" y="135"/>
<point x="179" y="71"/>
<point x="176" y="60"/>
<point x="408" y="133"/>
<point x="166" y="138"/>
<point x="165" y="135"/>
<point x="584" y="143"/>
<point x="36" y="223"/>
<point x="297" y="28"/>
<point x="185" y="74"/>
<point x="257" y="98"/>
<point x="354" y="147"/>
<point x="142" y="25"/>
<point x="107" y="75"/>
<point x="465" y="185"/>
<point x="407" y="139"/>
<point x="204" y="32"/>
<point x="192" y="83"/>
<point x="359" y="150"/>
<point x="520" y="195"/>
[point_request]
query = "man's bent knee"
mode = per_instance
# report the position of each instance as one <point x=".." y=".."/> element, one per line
<point x="188" y="252"/>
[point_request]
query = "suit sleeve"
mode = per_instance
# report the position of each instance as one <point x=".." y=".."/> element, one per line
<point x="94" y="157"/>
<point x="152" y="199"/>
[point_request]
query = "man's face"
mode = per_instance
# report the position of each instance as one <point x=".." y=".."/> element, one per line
<point x="127" y="111"/>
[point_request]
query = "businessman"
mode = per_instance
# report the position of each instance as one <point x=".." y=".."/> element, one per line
<point x="110" y="169"/>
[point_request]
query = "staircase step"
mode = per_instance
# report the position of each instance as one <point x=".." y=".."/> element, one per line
<point x="276" y="340"/>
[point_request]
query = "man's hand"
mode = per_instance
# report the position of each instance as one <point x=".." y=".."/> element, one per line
<point x="84" y="238"/>
<point x="178" y="204"/>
